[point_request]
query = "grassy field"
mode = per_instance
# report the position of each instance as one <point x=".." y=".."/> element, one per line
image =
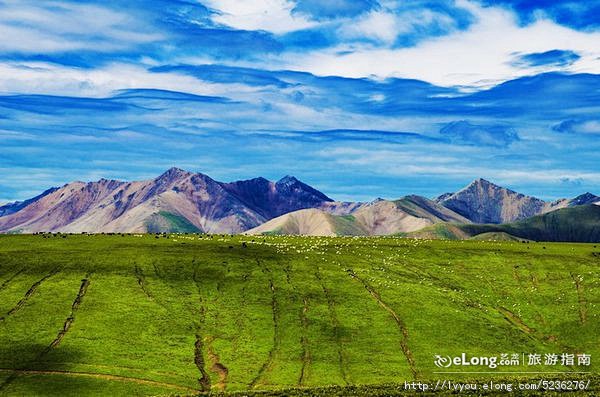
<point x="150" y="315"/>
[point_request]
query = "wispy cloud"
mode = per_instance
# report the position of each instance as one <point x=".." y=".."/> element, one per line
<point x="450" y="60"/>
<point x="383" y="96"/>
<point x="274" y="16"/>
<point x="553" y="58"/>
<point x="464" y="132"/>
<point x="590" y="126"/>
<point x="53" y="26"/>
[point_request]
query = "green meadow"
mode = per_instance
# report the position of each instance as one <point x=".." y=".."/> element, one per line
<point x="187" y="314"/>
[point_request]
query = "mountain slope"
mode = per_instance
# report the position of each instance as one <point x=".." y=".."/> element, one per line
<point x="424" y="208"/>
<point x="191" y="199"/>
<point x="484" y="202"/>
<point x="583" y="199"/>
<point x="11" y="208"/>
<point x="586" y="198"/>
<point x="310" y="222"/>
<point x="60" y="207"/>
<point x="381" y="217"/>
<point x="271" y="199"/>
<point x="179" y="200"/>
<point x="573" y="224"/>
<point x="196" y="197"/>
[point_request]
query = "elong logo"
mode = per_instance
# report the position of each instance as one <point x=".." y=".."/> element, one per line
<point x="462" y="360"/>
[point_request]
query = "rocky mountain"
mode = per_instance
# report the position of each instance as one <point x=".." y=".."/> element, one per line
<point x="273" y="199"/>
<point x="380" y="217"/>
<point x="11" y="208"/>
<point x="584" y="199"/>
<point x="174" y="200"/>
<point x="179" y="200"/>
<point x="484" y="202"/>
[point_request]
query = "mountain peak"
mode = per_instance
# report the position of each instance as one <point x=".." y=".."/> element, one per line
<point x="288" y="180"/>
<point x="172" y="174"/>
<point x="485" y="202"/>
<point x="105" y="181"/>
<point x="291" y="184"/>
<point x="483" y="182"/>
<point x="274" y="199"/>
<point x="585" y="198"/>
<point x="258" y="179"/>
<point x="587" y="195"/>
<point x="175" y="170"/>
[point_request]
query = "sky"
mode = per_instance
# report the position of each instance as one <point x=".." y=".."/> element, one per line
<point x="359" y="98"/>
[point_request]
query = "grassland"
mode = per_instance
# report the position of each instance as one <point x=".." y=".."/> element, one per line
<point x="183" y="314"/>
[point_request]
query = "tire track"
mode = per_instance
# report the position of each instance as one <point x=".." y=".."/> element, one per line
<point x="508" y="315"/>
<point x="532" y="333"/>
<point x="28" y="295"/>
<point x="216" y="366"/>
<point x="240" y="320"/>
<point x="304" y="341"/>
<point x="61" y="334"/>
<point x="336" y="325"/>
<point x="11" y="278"/>
<point x="580" y="298"/>
<point x="157" y="271"/>
<point x="401" y="326"/>
<point x="305" y="355"/>
<point x="276" y="332"/>
<point x="141" y="279"/>
<point x="85" y="283"/>
<point x="516" y="321"/>
<point x="204" y="380"/>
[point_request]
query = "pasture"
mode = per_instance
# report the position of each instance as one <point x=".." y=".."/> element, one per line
<point x="182" y="314"/>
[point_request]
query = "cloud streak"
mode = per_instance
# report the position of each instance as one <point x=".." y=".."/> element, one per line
<point x="394" y="96"/>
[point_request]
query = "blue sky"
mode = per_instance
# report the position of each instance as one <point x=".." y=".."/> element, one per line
<point x="359" y="98"/>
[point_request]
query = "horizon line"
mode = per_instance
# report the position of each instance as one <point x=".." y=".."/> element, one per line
<point x="5" y="201"/>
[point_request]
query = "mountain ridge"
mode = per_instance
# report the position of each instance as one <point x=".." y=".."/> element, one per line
<point x="482" y="201"/>
<point x="182" y="200"/>
<point x="377" y="218"/>
<point x="118" y="206"/>
<point x="570" y="224"/>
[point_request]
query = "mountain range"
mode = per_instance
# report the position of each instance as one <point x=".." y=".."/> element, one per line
<point x="175" y="200"/>
<point x="182" y="201"/>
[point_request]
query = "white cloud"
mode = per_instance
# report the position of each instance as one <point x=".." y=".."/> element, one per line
<point x="590" y="127"/>
<point x="402" y="163"/>
<point x="586" y="127"/>
<point x="385" y="26"/>
<point x="378" y="25"/>
<point x="51" y="79"/>
<point x="477" y="57"/>
<point x="50" y="27"/>
<point x="270" y="15"/>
